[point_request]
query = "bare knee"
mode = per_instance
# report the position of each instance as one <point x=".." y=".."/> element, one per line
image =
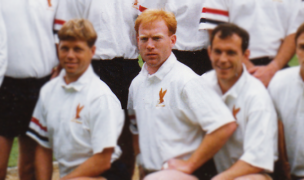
<point x="169" y="174"/>
<point x="254" y="177"/>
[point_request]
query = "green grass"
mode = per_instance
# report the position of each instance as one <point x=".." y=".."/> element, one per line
<point x="13" y="159"/>
<point x="14" y="153"/>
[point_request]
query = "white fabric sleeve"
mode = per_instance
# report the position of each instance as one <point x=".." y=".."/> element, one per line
<point x="214" y="12"/>
<point x="148" y="4"/>
<point x="38" y="125"/>
<point x="67" y="10"/>
<point x="206" y="107"/>
<point x="3" y="49"/>
<point x="260" y="136"/>
<point x="131" y="113"/>
<point x="105" y="122"/>
<point x="296" y="17"/>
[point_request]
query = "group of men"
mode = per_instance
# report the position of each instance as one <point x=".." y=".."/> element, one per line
<point x="179" y="120"/>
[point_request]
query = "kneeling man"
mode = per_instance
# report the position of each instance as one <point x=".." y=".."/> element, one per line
<point x="251" y="151"/>
<point x="181" y="123"/>
<point x="77" y="116"/>
<point x="286" y="90"/>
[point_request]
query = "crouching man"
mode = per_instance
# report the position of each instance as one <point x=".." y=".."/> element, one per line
<point x="251" y="151"/>
<point x="77" y="116"/>
<point x="286" y="90"/>
<point x="181" y="124"/>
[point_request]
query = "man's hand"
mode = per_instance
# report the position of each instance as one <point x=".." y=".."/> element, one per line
<point x="264" y="73"/>
<point x="181" y="165"/>
<point x="55" y="71"/>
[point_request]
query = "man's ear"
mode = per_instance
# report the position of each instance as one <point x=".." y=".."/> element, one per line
<point x="209" y="51"/>
<point x="247" y="54"/>
<point x="93" y="49"/>
<point x="173" y="40"/>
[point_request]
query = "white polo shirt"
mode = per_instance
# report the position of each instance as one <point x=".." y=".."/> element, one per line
<point x="187" y="14"/>
<point x="113" y="21"/>
<point x="77" y="120"/>
<point x="173" y="112"/>
<point x="3" y="48"/>
<point x="30" y="38"/>
<point x="287" y="91"/>
<point x="255" y="140"/>
<point x="267" y="21"/>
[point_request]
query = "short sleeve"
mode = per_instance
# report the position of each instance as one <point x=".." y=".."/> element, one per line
<point x="38" y="125"/>
<point x="105" y="122"/>
<point x="3" y="49"/>
<point x="260" y="139"/>
<point x="296" y="16"/>
<point x="67" y="10"/>
<point x="214" y="12"/>
<point x="205" y="106"/>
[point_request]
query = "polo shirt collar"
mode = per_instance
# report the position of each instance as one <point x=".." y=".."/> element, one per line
<point x="299" y="78"/>
<point x="163" y="70"/>
<point x="235" y="90"/>
<point x="80" y="83"/>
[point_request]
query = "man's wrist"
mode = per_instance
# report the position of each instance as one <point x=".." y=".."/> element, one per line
<point x="274" y="64"/>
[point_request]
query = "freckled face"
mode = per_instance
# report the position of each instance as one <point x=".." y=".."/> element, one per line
<point x="155" y="43"/>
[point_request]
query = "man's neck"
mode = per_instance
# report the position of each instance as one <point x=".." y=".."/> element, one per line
<point x="69" y="78"/>
<point x="225" y="85"/>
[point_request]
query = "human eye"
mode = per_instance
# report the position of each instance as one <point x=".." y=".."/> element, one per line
<point x="64" y="48"/>
<point x="77" y="49"/>
<point x="144" y="39"/>
<point x="217" y="51"/>
<point x="156" y="38"/>
<point x="231" y="53"/>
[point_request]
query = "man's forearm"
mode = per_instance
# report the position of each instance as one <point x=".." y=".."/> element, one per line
<point x="240" y="168"/>
<point x="94" y="166"/>
<point x="43" y="163"/>
<point x="211" y="144"/>
<point x="285" y="53"/>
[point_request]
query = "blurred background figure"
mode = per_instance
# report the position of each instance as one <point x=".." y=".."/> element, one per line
<point x="31" y="58"/>
<point x="271" y="25"/>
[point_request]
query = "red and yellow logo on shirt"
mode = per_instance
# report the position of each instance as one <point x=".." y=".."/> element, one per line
<point x="235" y="111"/>
<point x="78" y="110"/>
<point x="49" y="3"/>
<point x="161" y="98"/>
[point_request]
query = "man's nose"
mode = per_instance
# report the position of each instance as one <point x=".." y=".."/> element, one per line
<point x="150" y="44"/>
<point x="223" y="57"/>
<point x="70" y="54"/>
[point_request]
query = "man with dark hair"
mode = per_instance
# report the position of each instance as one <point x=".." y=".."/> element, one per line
<point x="251" y="150"/>
<point x="286" y="89"/>
<point x="77" y="116"/>
<point x="179" y="127"/>
<point x="271" y="25"/>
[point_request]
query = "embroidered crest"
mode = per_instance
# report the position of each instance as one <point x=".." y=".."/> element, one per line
<point x="235" y="111"/>
<point x="78" y="110"/>
<point x="161" y="98"/>
<point x="49" y="3"/>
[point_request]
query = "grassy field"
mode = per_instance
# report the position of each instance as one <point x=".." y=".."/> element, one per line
<point x="14" y="153"/>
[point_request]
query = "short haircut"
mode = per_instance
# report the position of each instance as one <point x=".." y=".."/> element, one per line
<point x="152" y="15"/>
<point x="299" y="32"/>
<point x="227" y="30"/>
<point x="78" y="29"/>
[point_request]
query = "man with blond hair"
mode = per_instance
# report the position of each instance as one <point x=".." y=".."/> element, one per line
<point x="77" y="116"/>
<point x="180" y="128"/>
<point x="287" y="87"/>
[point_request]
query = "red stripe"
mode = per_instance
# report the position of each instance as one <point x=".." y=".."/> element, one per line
<point x="58" y="21"/>
<point x="36" y="121"/>
<point x="215" y="11"/>
<point x="141" y="8"/>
